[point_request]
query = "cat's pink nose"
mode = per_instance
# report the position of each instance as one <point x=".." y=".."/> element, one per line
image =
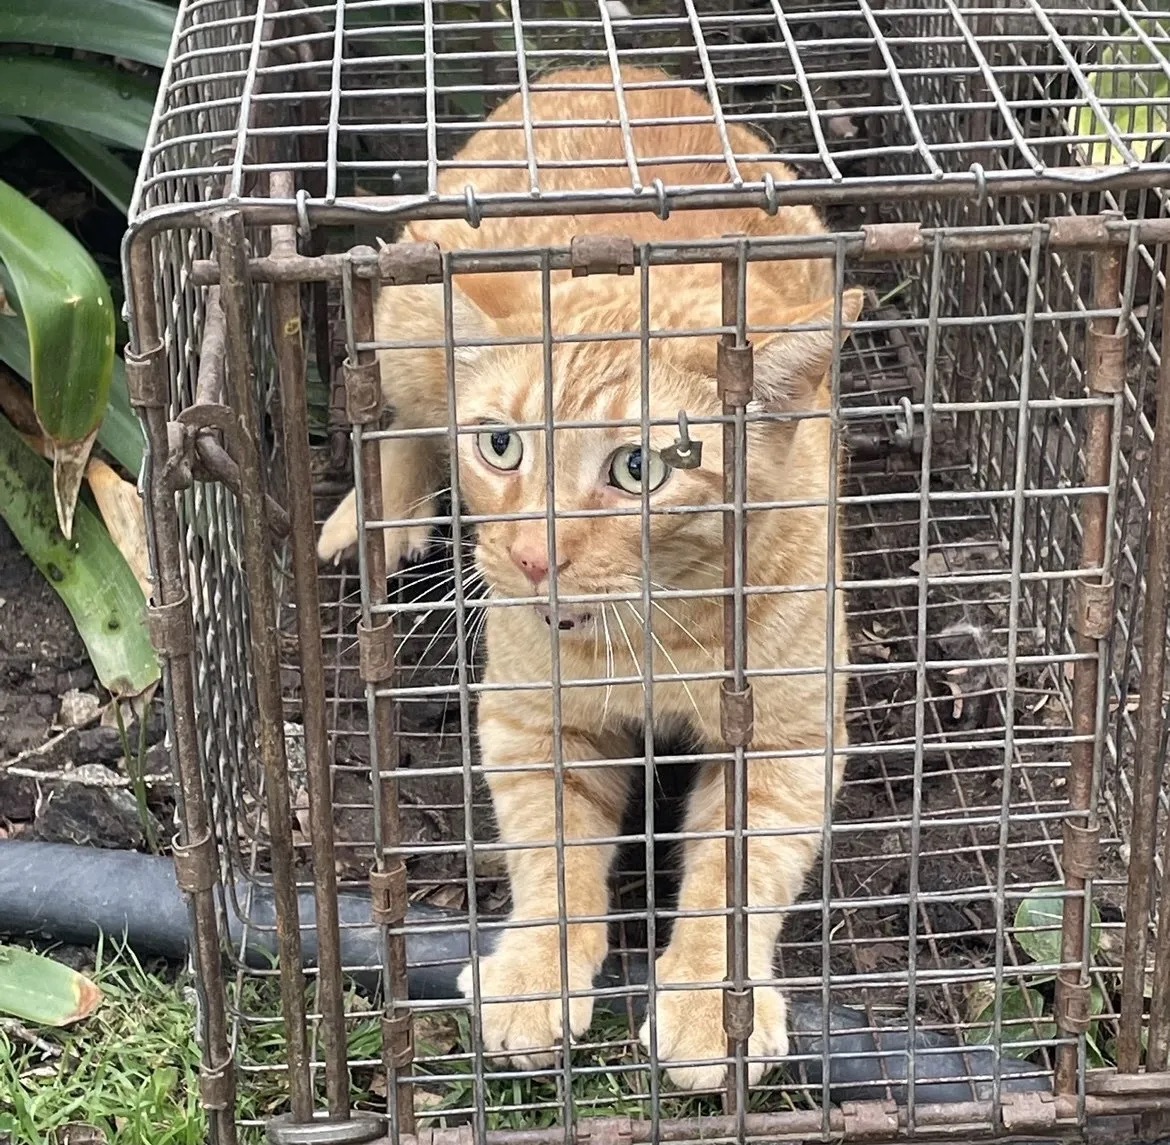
<point x="532" y="561"/>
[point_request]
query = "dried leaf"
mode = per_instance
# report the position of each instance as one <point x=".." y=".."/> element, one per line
<point x="936" y="564"/>
<point x="121" y="510"/>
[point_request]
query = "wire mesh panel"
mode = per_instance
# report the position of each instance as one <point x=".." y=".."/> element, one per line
<point x="659" y="646"/>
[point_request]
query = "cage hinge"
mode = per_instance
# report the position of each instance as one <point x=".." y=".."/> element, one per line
<point x="734" y="374"/>
<point x="363" y="391"/>
<point x="1080" y="847"/>
<point x="397" y="1041"/>
<point x="870" y="1119"/>
<point x="1028" y="1111"/>
<point x="1073" y="1010"/>
<point x="170" y="628"/>
<point x="1078" y="230"/>
<point x="1106" y="364"/>
<point x="601" y="254"/>
<point x="736" y="715"/>
<point x="410" y="264"/>
<point x="892" y="240"/>
<point x="357" y="1128"/>
<point x="217" y="1085"/>
<point x="739" y="1014"/>
<point x="1092" y="614"/>
<point x="195" y="869"/>
<point x="376" y="651"/>
<point x="604" y="1131"/>
<point x="388" y="895"/>
<point x="146" y="377"/>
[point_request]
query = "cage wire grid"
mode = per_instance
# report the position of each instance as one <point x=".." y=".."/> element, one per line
<point x="959" y="398"/>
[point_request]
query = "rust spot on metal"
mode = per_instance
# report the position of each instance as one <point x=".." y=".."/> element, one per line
<point x="734" y="374"/>
<point x="739" y="1017"/>
<point x="196" y="868"/>
<point x="601" y="254"/>
<point x="736" y="715"/>
<point x="376" y="651"/>
<point x="1092" y="611"/>
<point x="410" y="264"/>
<point x="892" y="240"/>
<point x="1078" y="230"/>
<point x="1080" y="848"/>
<point x="1106" y="365"/>
<point x="170" y="627"/>
<point x="363" y="392"/>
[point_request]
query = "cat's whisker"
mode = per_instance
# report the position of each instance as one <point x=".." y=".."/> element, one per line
<point x="670" y="660"/>
<point x="609" y="663"/>
<point x="629" y="644"/>
<point x="682" y="627"/>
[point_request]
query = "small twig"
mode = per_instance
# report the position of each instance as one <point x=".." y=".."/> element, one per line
<point x="35" y="753"/>
<point x="21" y="1033"/>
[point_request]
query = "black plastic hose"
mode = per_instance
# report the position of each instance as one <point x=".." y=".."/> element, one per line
<point x="73" y="894"/>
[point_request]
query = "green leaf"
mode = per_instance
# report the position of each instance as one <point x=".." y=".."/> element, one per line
<point x="67" y="310"/>
<point x="1038" y="925"/>
<point x="37" y="989"/>
<point x="1128" y="71"/>
<point x="104" y="101"/>
<point x="1022" y="1020"/>
<point x="130" y="29"/>
<point x="94" y="160"/>
<point x="89" y="573"/>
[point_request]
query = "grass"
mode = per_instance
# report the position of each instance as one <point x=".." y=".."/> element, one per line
<point x="131" y="1071"/>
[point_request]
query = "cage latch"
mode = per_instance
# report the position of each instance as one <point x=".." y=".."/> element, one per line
<point x="397" y="1041"/>
<point x="146" y="377"/>
<point x="410" y="264"/>
<point x="891" y="240"/>
<point x="739" y="1013"/>
<point x="1079" y="849"/>
<point x="734" y="374"/>
<point x="870" y="1119"/>
<point x="195" y="864"/>
<point x="1073" y="1011"/>
<point x="605" y="1131"/>
<point x="1106" y="365"/>
<point x="376" y="651"/>
<point x="388" y="895"/>
<point x="363" y="391"/>
<point x="736" y="715"/>
<point x="1028" y="1111"/>
<point x="601" y="254"/>
<point x="1092" y="609"/>
<point x="170" y="628"/>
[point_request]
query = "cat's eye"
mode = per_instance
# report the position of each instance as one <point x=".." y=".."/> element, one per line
<point x="629" y="468"/>
<point x="500" y="448"/>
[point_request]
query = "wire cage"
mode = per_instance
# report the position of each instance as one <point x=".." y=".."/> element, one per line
<point x="943" y="768"/>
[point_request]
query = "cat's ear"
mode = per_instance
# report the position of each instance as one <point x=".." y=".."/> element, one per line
<point x="789" y="366"/>
<point x="470" y="323"/>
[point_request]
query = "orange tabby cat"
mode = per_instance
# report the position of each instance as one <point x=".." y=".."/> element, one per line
<point x="504" y="472"/>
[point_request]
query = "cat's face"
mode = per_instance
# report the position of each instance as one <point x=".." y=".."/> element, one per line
<point x="601" y="475"/>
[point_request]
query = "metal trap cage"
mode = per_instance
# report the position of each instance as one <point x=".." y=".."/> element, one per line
<point x="927" y="814"/>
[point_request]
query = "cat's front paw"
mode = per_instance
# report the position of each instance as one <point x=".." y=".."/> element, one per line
<point x="404" y="544"/>
<point x="530" y="1032"/>
<point x="690" y="1029"/>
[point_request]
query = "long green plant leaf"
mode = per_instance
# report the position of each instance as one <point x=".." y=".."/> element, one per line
<point x="104" y="101"/>
<point x="120" y="434"/>
<point x="65" y="303"/>
<point x="137" y="30"/>
<point x="42" y="991"/>
<point x="88" y="572"/>
<point x="94" y="160"/>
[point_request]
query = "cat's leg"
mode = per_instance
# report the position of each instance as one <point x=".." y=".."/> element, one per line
<point x="515" y="732"/>
<point x="783" y="795"/>
<point x="409" y="480"/>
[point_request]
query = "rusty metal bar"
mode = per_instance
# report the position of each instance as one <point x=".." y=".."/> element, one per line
<point x="1151" y="723"/>
<point x="290" y="364"/>
<point x="1092" y="620"/>
<point x="1146" y="752"/>
<point x="231" y="248"/>
<point x="377" y="646"/>
<point x="734" y="379"/>
<point x="1090" y="231"/>
<point x="217" y="1068"/>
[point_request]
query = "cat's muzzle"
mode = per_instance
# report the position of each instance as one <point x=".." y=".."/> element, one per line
<point x="567" y="619"/>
